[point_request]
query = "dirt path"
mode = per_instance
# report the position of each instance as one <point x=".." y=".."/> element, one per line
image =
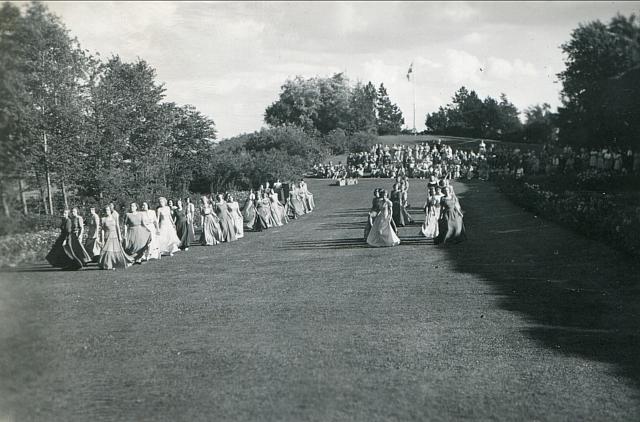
<point x="524" y="321"/>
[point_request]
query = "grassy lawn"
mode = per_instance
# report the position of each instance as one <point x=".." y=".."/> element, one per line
<point x="524" y="321"/>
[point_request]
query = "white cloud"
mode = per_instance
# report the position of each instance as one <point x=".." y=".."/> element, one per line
<point x="505" y="69"/>
<point x="463" y="67"/>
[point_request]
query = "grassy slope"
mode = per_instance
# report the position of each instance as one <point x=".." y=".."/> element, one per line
<point x="525" y="321"/>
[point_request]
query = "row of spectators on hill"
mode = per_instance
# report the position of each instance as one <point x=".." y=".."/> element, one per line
<point x="441" y="160"/>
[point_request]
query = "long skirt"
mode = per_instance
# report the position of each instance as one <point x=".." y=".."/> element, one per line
<point x="249" y="214"/>
<point x="400" y="215"/>
<point x="238" y="224"/>
<point x="382" y="233"/>
<point x="370" y="219"/>
<point x="227" y="227"/>
<point x="184" y="233"/>
<point x="168" y="239"/>
<point x="113" y="255"/>
<point x="210" y="231"/>
<point x="153" y="250"/>
<point x="263" y="218"/>
<point x="311" y="204"/>
<point x="429" y="228"/>
<point x="137" y="242"/>
<point x="58" y="257"/>
<point x="276" y="215"/>
<point x="76" y="250"/>
<point x="450" y="227"/>
<point x="296" y="207"/>
<point x="93" y="248"/>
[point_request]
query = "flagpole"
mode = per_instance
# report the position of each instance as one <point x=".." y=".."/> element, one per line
<point x="414" y="103"/>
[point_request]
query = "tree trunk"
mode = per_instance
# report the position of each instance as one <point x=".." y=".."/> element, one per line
<point x="23" y="198"/>
<point x="47" y="175"/>
<point x="5" y="203"/>
<point x="64" y="196"/>
<point x="42" y="195"/>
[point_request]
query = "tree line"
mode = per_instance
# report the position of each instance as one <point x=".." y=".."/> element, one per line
<point x="73" y="121"/>
<point x="599" y="97"/>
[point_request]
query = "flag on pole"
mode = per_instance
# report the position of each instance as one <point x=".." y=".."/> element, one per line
<point x="409" y="72"/>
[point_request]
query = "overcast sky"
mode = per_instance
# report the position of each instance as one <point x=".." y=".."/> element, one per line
<point x="229" y="59"/>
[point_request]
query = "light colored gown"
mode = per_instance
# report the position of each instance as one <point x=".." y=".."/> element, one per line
<point x="234" y="210"/>
<point x="168" y="241"/>
<point x="227" y="223"/>
<point x="113" y="255"/>
<point x="149" y="220"/>
<point x="429" y="228"/>
<point x="382" y="233"/>
<point x="211" y="233"/>
<point x="138" y="236"/>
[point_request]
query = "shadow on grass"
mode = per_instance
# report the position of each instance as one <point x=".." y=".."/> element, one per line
<point x="41" y="268"/>
<point x="580" y="297"/>
<point x="349" y="243"/>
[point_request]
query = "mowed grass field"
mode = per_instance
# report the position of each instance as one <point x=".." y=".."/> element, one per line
<point x="524" y="321"/>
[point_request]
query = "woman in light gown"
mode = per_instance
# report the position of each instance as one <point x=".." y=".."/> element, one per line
<point x="295" y="204"/>
<point x="277" y="209"/>
<point x="249" y="211"/>
<point x="180" y="220"/>
<point x="307" y="196"/>
<point x="234" y="210"/>
<point x="113" y="255"/>
<point x="432" y="214"/>
<point x="263" y="213"/>
<point x="92" y="244"/>
<point x="227" y="223"/>
<point x="210" y="224"/>
<point x="450" y="225"/>
<point x="137" y="236"/>
<point x="167" y="239"/>
<point x="382" y="233"/>
<point x="150" y="221"/>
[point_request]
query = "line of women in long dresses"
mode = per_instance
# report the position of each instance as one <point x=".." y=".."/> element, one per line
<point x="145" y="235"/>
<point x="443" y="215"/>
<point x="150" y="234"/>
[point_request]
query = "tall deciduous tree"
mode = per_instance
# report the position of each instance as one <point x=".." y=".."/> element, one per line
<point x="596" y="55"/>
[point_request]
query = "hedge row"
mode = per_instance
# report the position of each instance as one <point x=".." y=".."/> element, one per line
<point x="601" y="216"/>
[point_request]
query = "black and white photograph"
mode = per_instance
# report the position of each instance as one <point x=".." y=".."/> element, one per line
<point x="319" y="211"/>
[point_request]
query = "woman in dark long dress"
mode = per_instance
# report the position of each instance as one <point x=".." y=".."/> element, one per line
<point x="74" y="245"/>
<point x="137" y="236"/>
<point x="180" y="219"/>
<point x="92" y="244"/>
<point x="450" y="225"/>
<point x="373" y="212"/>
<point x="396" y="200"/>
<point x="57" y="256"/>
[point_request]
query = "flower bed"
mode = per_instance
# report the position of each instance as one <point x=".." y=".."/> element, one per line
<point x="606" y="217"/>
<point x="26" y="248"/>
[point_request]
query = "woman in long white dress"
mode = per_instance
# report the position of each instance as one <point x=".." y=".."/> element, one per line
<point x="429" y="228"/>
<point x="168" y="240"/>
<point x="210" y="223"/>
<point x="234" y="210"/>
<point x="382" y="233"/>
<point x="150" y="221"/>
